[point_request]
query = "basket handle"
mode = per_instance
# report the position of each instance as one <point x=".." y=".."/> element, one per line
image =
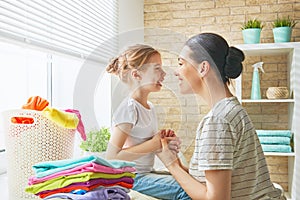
<point x="22" y="119"/>
<point x="6" y="117"/>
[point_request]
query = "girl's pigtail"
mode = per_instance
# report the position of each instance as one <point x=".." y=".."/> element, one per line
<point x="113" y="66"/>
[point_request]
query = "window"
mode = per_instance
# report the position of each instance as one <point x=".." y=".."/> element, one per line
<point x="50" y="48"/>
<point x="73" y="27"/>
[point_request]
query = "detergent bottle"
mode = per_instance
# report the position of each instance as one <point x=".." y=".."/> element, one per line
<point x="255" y="90"/>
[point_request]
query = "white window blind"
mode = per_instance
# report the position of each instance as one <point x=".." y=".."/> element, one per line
<point x="84" y="28"/>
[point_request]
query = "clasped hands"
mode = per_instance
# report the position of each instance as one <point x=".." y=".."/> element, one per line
<point x="170" y="146"/>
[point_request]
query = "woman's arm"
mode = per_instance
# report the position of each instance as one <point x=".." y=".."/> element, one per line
<point x="115" y="148"/>
<point x="218" y="182"/>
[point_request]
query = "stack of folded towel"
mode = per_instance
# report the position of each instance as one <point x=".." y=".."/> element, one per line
<point x="275" y="140"/>
<point x="85" y="178"/>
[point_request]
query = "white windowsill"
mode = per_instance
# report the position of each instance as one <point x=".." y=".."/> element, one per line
<point x="3" y="177"/>
<point x="3" y="186"/>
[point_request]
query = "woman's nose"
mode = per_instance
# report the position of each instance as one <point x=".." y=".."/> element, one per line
<point x="176" y="72"/>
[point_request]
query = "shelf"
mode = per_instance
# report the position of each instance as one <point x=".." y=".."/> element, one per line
<point x="290" y="50"/>
<point x="268" y="48"/>
<point x="287" y="195"/>
<point x="279" y="154"/>
<point x="268" y="101"/>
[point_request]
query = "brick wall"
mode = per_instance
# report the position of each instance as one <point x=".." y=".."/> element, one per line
<point x="168" y="23"/>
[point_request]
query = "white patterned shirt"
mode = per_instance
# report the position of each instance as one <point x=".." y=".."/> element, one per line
<point x="226" y="140"/>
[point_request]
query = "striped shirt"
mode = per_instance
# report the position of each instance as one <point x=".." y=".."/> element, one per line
<point x="226" y="139"/>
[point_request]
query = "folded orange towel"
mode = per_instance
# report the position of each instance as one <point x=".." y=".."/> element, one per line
<point x="36" y="103"/>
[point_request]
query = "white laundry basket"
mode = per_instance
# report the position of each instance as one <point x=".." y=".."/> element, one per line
<point x="28" y="144"/>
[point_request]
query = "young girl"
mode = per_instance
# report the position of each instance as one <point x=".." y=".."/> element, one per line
<point x="228" y="161"/>
<point x="135" y="136"/>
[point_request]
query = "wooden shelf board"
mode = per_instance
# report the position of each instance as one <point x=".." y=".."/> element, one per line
<point x="268" y="101"/>
<point x="279" y="154"/>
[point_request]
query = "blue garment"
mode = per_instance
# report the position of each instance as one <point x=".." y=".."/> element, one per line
<point x="276" y="148"/>
<point x="275" y="133"/>
<point x="274" y="140"/>
<point x="78" y="191"/>
<point x="46" y="168"/>
<point x="161" y="186"/>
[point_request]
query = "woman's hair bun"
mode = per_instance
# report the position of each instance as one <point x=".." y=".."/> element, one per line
<point x="233" y="65"/>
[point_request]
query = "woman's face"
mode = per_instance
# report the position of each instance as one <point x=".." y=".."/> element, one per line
<point x="153" y="74"/>
<point x="187" y="73"/>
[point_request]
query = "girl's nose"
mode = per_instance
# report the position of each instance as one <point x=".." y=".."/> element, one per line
<point x="164" y="73"/>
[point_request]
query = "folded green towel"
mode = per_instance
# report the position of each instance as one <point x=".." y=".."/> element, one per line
<point x="274" y="140"/>
<point x="276" y="148"/>
<point x="275" y="133"/>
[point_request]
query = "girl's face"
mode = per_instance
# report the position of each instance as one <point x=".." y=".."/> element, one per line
<point x="152" y="74"/>
<point x="187" y="73"/>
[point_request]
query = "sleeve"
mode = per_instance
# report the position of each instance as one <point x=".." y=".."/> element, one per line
<point x="215" y="145"/>
<point x="125" y="113"/>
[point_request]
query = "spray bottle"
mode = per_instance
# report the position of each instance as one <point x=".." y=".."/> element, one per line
<point x="255" y="90"/>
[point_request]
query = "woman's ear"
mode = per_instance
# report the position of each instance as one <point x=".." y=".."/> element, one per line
<point x="203" y="68"/>
<point x="135" y="74"/>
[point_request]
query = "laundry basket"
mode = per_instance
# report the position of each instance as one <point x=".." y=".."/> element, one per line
<point x="28" y="144"/>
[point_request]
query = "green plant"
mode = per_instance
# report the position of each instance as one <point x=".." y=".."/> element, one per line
<point x="252" y="23"/>
<point x="285" y="21"/>
<point x="96" y="140"/>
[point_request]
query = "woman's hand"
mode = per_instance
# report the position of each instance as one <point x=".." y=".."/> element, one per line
<point x="172" y="140"/>
<point x="167" y="156"/>
<point x="173" y="143"/>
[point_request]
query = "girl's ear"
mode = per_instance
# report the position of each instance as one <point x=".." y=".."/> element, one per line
<point x="203" y="68"/>
<point x="135" y="74"/>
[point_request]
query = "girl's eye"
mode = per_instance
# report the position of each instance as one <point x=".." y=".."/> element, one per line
<point x="180" y="63"/>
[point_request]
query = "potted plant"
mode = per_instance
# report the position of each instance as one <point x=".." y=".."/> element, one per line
<point x="96" y="141"/>
<point x="282" y="29"/>
<point x="251" y="31"/>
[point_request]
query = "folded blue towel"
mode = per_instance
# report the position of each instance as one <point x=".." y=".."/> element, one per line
<point x="275" y="133"/>
<point x="49" y="167"/>
<point x="274" y="140"/>
<point x="276" y="148"/>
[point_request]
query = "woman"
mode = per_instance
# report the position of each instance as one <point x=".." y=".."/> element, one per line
<point x="228" y="161"/>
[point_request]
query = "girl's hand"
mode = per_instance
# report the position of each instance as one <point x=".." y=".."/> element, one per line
<point x="156" y="140"/>
<point x="167" y="133"/>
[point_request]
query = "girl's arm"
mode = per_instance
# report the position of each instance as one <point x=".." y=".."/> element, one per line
<point x="117" y="140"/>
<point x="218" y="182"/>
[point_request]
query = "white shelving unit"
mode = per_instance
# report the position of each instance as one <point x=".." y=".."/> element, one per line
<point x="292" y="51"/>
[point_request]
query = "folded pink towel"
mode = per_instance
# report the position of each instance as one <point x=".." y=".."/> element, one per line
<point x="88" y="167"/>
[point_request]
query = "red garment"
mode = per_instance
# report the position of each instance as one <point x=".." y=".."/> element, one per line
<point x="70" y="188"/>
<point x="22" y="120"/>
<point x="36" y="103"/>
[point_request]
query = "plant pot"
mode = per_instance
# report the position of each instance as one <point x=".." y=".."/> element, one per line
<point x="282" y="34"/>
<point x="251" y="35"/>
